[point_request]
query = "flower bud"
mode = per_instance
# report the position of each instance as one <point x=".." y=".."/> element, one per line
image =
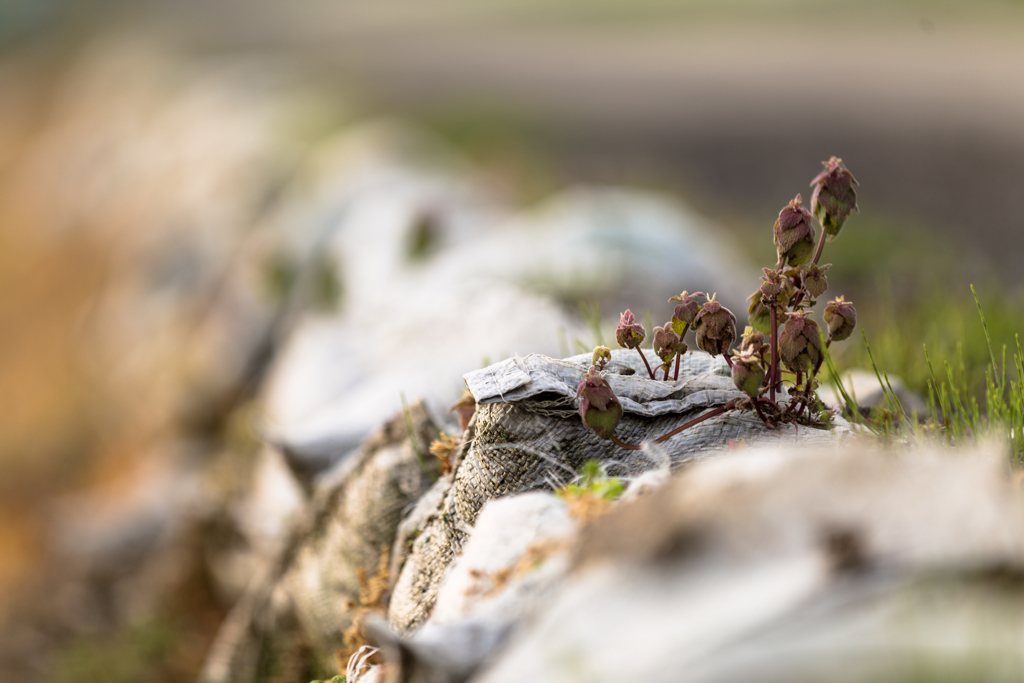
<point x="666" y="342"/>
<point x="630" y="334"/>
<point x="759" y="316"/>
<point x="686" y="310"/>
<point x="800" y="343"/>
<point x="834" y="197"/>
<point x="814" y="279"/>
<point x="753" y="342"/>
<point x="599" y="407"/>
<point x="747" y="373"/>
<point x="716" y="328"/>
<point x="602" y="356"/>
<point x="841" y="317"/>
<point x="794" y="235"/>
<point x="776" y="288"/>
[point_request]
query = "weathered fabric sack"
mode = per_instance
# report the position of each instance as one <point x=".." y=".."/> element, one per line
<point x="527" y="434"/>
<point x="309" y="594"/>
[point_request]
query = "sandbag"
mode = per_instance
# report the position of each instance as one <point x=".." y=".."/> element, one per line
<point x="836" y="564"/>
<point x="527" y="435"/>
<point x="512" y="565"/>
<point x="311" y="593"/>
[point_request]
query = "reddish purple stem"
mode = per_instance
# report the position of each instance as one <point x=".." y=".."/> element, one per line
<point x="697" y="420"/>
<point x="649" y="371"/>
<point x="760" y="414"/>
<point x="624" y="444"/>
<point x="773" y="371"/>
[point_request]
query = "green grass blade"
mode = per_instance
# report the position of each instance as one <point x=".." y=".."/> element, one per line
<point x="836" y="380"/>
<point x="984" y="325"/>
<point x="885" y="392"/>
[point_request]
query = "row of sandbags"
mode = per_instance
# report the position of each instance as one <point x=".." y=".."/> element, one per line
<point x="271" y="297"/>
<point x="782" y="564"/>
<point x="327" y="280"/>
<point x="380" y="510"/>
<point x="734" y="554"/>
<point x="243" y="250"/>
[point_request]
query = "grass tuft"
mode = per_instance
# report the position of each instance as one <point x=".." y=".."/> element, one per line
<point x="972" y="400"/>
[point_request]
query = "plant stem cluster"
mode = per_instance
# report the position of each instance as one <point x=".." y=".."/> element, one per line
<point x="781" y="335"/>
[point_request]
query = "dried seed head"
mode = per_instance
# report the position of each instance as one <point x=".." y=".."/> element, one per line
<point x="686" y="310"/>
<point x="715" y="326"/>
<point x="758" y="314"/>
<point x="666" y="342"/>
<point x="776" y="288"/>
<point x="800" y="343"/>
<point x="814" y="279"/>
<point x="747" y="373"/>
<point x="794" y="235"/>
<point x="753" y="342"/>
<point x="599" y="407"/>
<point x="841" y="317"/>
<point x="630" y="334"/>
<point x="834" y="197"/>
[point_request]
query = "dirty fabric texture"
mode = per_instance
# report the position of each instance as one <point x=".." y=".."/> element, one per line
<point x="313" y="588"/>
<point x="788" y="566"/>
<point x="513" y="565"/>
<point x="527" y="435"/>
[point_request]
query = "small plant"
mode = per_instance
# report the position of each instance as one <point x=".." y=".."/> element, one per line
<point x="594" y="480"/>
<point x="373" y="596"/>
<point x="593" y="492"/>
<point x="464" y="409"/>
<point x="788" y="361"/>
<point x="443" y="448"/>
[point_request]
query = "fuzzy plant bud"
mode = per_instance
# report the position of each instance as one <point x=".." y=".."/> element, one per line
<point x="841" y="317"/>
<point x="716" y="328"/>
<point x="834" y="197"/>
<point x="686" y="310"/>
<point x="753" y="342"/>
<point x="814" y="280"/>
<point x="800" y="343"/>
<point x="602" y="356"/>
<point x="630" y="334"/>
<point x="759" y="316"/>
<point x="599" y="407"/>
<point x="747" y="373"/>
<point x="667" y="343"/>
<point x="794" y="234"/>
<point x="774" y="289"/>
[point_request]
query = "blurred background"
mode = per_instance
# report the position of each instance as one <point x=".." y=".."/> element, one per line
<point x="167" y="170"/>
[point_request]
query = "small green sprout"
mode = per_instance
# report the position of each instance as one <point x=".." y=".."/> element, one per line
<point x="594" y="481"/>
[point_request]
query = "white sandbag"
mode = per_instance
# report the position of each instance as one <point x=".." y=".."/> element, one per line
<point x="781" y="566"/>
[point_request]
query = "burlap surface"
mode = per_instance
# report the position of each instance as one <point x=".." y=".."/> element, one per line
<point x="527" y="435"/>
<point x="310" y="592"/>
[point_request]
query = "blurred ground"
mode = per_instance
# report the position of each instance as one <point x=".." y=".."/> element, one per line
<point x="730" y="105"/>
<point x="730" y="102"/>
